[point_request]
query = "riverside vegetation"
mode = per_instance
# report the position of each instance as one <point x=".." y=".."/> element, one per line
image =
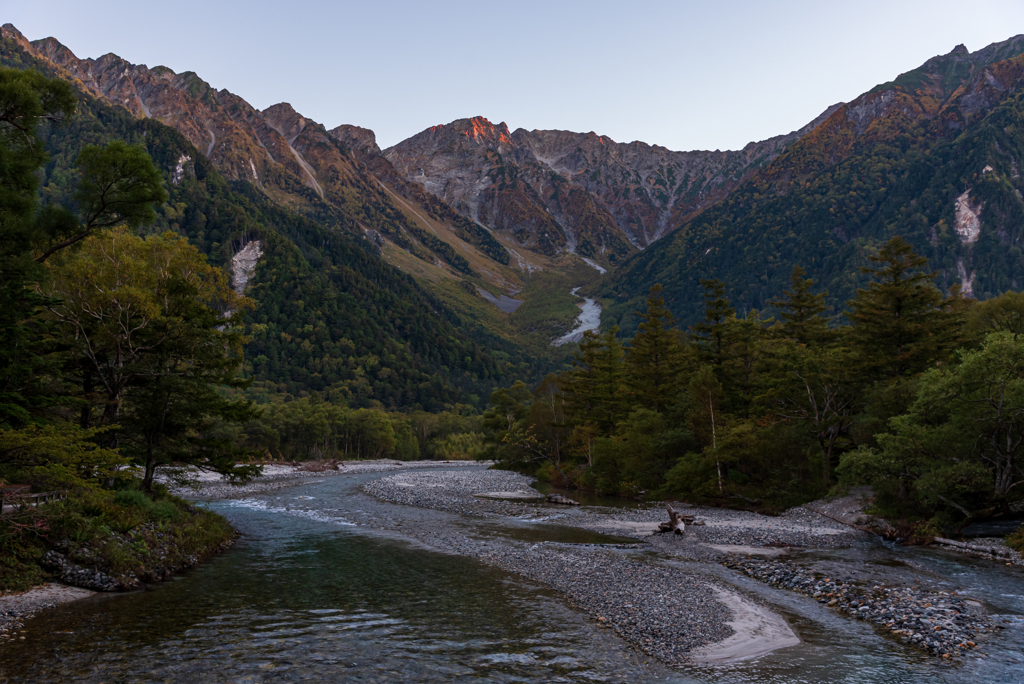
<point x="122" y="353"/>
<point x="919" y="395"/>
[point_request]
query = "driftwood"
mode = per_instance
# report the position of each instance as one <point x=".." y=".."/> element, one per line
<point x="319" y="466"/>
<point x="676" y="521"/>
<point x="559" y="499"/>
<point x="990" y="550"/>
<point x="847" y="523"/>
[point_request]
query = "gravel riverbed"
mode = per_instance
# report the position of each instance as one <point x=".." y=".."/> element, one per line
<point x="15" y="608"/>
<point x="664" y="611"/>
<point x="945" y="624"/>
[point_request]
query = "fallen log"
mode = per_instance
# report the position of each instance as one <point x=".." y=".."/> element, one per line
<point x="559" y="499"/>
<point x="990" y="550"/>
<point x="844" y="522"/>
<point x="320" y="466"/>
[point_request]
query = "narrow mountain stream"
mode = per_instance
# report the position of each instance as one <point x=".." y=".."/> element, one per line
<point x="311" y="592"/>
<point x="589" y="319"/>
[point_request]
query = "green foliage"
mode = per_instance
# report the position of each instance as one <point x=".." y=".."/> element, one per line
<point x="318" y="428"/>
<point x="595" y="387"/>
<point x="150" y="348"/>
<point x="1002" y="313"/>
<point x="897" y="328"/>
<point x="132" y="497"/>
<point x="654" y="364"/>
<point x="329" y="314"/>
<point x="118" y="185"/>
<point x="840" y="193"/>
<point x="54" y="457"/>
<point x="956" y="451"/>
<point x="801" y="311"/>
<point x="27" y="99"/>
<point x="765" y="414"/>
<point x="1016" y="539"/>
<point x="126" y="534"/>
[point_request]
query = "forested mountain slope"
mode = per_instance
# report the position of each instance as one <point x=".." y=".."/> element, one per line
<point x="289" y="158"/>
<point x="933" y="155"/>
<point x="329" y="313"/>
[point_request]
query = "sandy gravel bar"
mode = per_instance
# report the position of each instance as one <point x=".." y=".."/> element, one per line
<point x="678" y="613"/>
<point x="681" y="612"/>
<point x="213" y="486"/>
<point x="16" y="608"/>
<point x="457" y="492"/>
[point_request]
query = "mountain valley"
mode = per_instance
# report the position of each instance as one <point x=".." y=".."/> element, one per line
<point x="483" y="218"/>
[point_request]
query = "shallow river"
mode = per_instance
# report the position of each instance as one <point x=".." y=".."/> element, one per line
<point x="306" y="595"/>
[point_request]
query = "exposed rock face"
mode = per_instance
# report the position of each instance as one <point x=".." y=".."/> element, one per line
<point x="580" y="192"/>
<point x="968" y="219"/>
<point x="267" y="148"/>
<point x="945" y="92"/>
<point x="648" y="189"/>
<point x="243" y="263"/>
<point x="471" y="165"/>
<point x="966" y="281"/>
<point x="552" y="191"/>
<point x="361" y="141"/>
<point x="292" y="159"/>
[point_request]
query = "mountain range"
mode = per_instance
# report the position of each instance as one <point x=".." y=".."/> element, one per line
<point x="468" y="214"/>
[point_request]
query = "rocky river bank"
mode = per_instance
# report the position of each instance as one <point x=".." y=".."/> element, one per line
<point x="712" y="597"/>
<point x="679" y="611"/>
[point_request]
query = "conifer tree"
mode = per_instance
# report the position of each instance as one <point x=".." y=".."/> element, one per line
<point x="27" y="98"/>
<point x="595" y="386"/>
<point x="898" y="326"/>
<point x="654" y="360"/>
<point x="711" y="331"/>
<point x="801" y="311"/>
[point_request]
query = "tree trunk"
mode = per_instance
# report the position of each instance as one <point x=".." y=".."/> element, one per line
<point x="147" y="480"/>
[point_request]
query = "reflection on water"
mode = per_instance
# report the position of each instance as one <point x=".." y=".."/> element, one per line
<point x="291" y="603"/>
<point x="594" y="499"/>
<point x="307" y="596"/>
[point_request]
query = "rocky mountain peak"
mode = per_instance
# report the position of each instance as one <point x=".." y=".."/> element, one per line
<point x="477" y="129"/>
<point x="283" y="118"/>
<point x="360" y="140"/>
<point x="10" y="32"/>
<point x="960" y="49"/>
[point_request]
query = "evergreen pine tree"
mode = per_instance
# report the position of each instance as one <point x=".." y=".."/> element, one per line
<point x="898" y="325"/>
<point x="711" y="332"/>
<point x="27" y="98"/>
<point x="594" y="388"/>
<point x="654" y="359"/>
<point x="801" y="311"/>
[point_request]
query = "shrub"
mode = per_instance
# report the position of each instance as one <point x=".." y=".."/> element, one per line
<point x="1016" y="539"/>
<point x="133" y="497"/>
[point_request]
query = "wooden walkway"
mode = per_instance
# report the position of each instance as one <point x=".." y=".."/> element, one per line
<point x="12" y="499"/>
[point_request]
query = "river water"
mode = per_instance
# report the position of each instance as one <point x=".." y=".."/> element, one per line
<point x="589" y="319"/>
<point x="311" y="593"/>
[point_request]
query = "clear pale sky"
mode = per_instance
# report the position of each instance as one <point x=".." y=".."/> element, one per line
<point x="686" y="75"/>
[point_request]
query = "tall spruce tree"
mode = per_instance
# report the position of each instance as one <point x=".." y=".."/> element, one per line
<point x="711" y="332"/>
<point x="898" y="325"/>
<point x="654" y="361"/>
<point x="801" y="311"/>
<point x="595" y="389"/>
<point x="27" y="99"/>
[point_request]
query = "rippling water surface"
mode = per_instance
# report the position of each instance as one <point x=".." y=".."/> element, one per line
<point x="308" y="596"/>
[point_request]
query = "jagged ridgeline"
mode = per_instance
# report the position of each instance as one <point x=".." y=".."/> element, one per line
<point x="934" y="156"/>
<point x="329" y="313"/>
